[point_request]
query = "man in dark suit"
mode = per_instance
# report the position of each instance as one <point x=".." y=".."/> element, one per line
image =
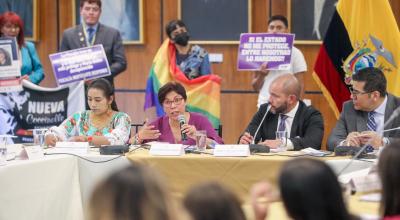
<point x="91" y="32"/>
<point x="365" y="117"/>
<point x="304" y="124"/>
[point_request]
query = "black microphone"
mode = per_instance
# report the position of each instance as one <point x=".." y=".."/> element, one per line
<point x="262" y="120"/>
<point x="182" y="121"/>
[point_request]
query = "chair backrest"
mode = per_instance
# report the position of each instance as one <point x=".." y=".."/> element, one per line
<point x="219" y="130"/>
<point x="136" y="128"/>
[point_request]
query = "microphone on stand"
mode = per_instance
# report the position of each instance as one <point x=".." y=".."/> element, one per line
<point x="262" y="120"/>
<point x="182" y="121"/>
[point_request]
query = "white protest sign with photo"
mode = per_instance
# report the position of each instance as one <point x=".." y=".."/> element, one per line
<point x="10" y="65"/>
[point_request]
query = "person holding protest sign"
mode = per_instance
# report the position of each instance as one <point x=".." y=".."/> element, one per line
<point x="91" y="32"/>
<point x="11" y="25"/>
<point x="263" y="78"/>
<point x="103" y="124"/>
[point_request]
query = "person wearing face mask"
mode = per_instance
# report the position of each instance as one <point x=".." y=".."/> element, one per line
<point x="179" y="61"/>
<point x="11" y="25"/>
<point x="192" y="60"/>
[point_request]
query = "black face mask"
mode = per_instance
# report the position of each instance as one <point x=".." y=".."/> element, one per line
<point x="182" y="39"/>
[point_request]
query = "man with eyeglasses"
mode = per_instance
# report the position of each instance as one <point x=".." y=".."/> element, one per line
<point x="363" y="118"/>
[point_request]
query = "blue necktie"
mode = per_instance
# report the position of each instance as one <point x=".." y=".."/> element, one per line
<point x="371" y="126"/>
<point x="90" y="32"/>
<point x="282" y="125"/>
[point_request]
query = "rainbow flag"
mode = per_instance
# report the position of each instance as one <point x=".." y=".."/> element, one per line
<point x="361" y="32"/>
<point x="203" y="93"/>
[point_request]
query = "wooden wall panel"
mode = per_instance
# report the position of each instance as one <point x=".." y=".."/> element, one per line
<point x="238" y="102"/>
<point x="48" y="41"/>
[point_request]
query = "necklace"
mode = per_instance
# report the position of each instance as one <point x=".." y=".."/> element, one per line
<point x="100" y="122"/>
<point x="175" y="130"/>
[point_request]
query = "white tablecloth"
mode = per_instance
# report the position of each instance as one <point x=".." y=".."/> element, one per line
<point x="41" y="189"/>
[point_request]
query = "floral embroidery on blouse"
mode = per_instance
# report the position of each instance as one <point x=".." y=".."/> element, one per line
<point x="117" y="131"/>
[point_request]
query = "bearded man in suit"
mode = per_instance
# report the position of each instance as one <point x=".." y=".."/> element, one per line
<point x="303" y="124"/>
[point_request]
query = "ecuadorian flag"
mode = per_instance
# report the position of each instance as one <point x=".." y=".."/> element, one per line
<point x="354" y="23"/>
<point x="203" y="93"/>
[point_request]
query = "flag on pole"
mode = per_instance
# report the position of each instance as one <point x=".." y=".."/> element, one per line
<point x="362" y="33"/>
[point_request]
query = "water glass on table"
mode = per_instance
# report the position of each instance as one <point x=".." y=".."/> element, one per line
<point x="39" y="137"/>
<point x="3" y="150"/>
<point x="201" y="140"/>
<point x="282" y="136"/>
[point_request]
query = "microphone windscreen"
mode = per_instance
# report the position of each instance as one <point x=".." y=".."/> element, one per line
<point x="181" y="119"/>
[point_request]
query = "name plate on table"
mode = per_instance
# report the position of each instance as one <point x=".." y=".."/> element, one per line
<point x="167" y="150"/>
<point x="34" y="152"/>
<point x="70" y="147"/>
<point x="232" y="151"/>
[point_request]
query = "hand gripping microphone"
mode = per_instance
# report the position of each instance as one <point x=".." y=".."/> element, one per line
<point x="262" y="120"/>
<point x="182" y="121"/>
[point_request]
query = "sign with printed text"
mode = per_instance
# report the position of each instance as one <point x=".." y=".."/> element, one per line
<point x="272" y="50"/>
<point x="80" y="64"/>
<point x="38" y="107"/>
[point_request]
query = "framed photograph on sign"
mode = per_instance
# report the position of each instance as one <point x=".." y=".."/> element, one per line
<point x="123" y="15"/>
<point x="310" y="19"/>
<point x="27" y="10"/>
<point x="215" y="21"/>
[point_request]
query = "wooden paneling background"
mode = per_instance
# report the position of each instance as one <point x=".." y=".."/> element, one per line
<point x="238" y="101"/>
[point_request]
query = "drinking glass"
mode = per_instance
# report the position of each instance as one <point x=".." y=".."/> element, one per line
<point x="3" y="150"/>
<point x="201" y="139"/>
<point x="282" y="136"/>
<point x="39" y="137"/>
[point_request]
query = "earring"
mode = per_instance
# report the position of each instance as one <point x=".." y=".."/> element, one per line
<point x="109" y="109"/>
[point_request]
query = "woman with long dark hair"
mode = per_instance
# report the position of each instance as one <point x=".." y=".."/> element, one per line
<point x="388" y="169"/>
<point x="309" y="190"/>
<point x="103" y="124"/>
<point x="133" y="193"/>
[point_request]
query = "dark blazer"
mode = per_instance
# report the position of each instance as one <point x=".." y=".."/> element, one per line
<point x="307" y="127"/>
<point x="110" y="38"/>
<point x="354" y="120"/>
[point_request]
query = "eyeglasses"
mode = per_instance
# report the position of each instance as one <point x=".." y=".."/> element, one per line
<point x="357" y="93"/>
<point x="176" y="101"/>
